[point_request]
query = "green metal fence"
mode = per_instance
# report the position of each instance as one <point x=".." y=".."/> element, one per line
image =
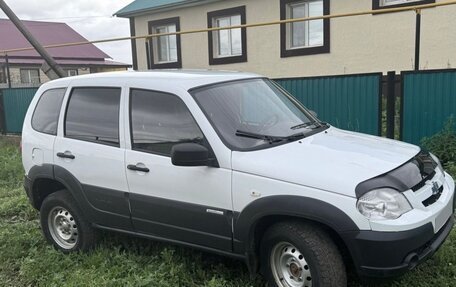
<point x="351" y="102"/>
<point x="429" y="99"/>
<point x="15" y="105"/>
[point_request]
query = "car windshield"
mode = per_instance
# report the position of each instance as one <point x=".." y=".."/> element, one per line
<point x="254" y="113"/>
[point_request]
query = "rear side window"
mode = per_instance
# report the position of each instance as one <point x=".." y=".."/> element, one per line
<point x="46" y="116"/>
<point x="93" y="115"/>
<point x="159" y="121"/>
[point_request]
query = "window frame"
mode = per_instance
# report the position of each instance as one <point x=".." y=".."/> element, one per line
<point x="65" y="89"/>
<point x="130" y="122"/>
<point x="67" y="105"/>
<point x="30" y="69"/>
<point x="68" y="72"/>
<point x="213" y="60"/>
<point x="151" y="56"/>
<point x="376" y="4"/>
<point x="284" y="34"/>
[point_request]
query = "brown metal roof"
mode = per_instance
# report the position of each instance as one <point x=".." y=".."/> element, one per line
<point x="47" y="33"/>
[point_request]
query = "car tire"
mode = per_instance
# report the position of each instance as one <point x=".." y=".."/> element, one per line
<point x="301" y="254"/>
<point x="63" y="224"/>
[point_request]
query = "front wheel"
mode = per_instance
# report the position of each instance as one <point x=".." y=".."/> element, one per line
<point x="295" y="254"/>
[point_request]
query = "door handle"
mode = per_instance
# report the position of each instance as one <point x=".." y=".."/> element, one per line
<point x="65" y="155"/>
<point x="137" y="168"/>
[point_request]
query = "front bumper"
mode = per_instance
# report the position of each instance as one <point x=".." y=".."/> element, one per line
<point x="386" y="254"/>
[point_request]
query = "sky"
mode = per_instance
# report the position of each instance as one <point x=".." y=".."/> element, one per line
<point x="91" y="18"/>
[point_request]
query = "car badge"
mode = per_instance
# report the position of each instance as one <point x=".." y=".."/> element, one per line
<point x="435" y="188"/>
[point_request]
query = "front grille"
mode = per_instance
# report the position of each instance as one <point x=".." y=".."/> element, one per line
<point x="422" y="183"/>
<point x="433" y="198"/>
<point x="426" y="166"/>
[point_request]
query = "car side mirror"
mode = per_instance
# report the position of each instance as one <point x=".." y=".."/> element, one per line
<point x="313" y="113"/>
<point x="190" y="154"/>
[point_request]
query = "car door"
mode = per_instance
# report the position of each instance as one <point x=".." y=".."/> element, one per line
<point x="185" y="204"/>
<point x="89" y="154"/>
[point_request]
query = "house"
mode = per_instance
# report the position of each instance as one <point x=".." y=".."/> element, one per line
<point x="359" y="44"/>
<point x="24" y="67"/>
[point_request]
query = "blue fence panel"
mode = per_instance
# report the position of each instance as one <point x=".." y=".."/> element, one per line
<point x="15" y="105"/>
<point x="351" y="102"/>
<point x="429" y="100"/>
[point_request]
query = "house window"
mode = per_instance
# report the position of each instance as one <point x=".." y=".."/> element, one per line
<point x="30" y="76"/>
<point x="382" y="4"/>
<point x="227" y="46"/>
<point x="2" y="75"/>
<point x="308" y="37"/>
<point x="72" y="72"/>
<point x="165" y="51"/>
<point x="227" y="43"/>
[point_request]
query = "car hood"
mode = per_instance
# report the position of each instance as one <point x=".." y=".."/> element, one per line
<point x="334" y="160"/>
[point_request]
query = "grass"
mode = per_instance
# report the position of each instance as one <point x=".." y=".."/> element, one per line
<point x="27" y="260"/>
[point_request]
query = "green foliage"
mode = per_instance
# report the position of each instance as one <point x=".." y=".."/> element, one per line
<point x="451" y="168"/>
<point x="27" y="260"/>
<point x="443" y="144"/>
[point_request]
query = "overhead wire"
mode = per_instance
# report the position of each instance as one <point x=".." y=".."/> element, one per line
<point x="416" y="8"/>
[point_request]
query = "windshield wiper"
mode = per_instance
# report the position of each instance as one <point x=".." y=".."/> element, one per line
<point x="314" y="125"/>
<point x="268" y="138"/>
<point x="295" y="137"/>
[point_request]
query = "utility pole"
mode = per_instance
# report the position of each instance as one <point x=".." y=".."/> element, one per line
<point x="59" y="72"/>
<point x="8" y="75"/>
<point x="417" y="39"/>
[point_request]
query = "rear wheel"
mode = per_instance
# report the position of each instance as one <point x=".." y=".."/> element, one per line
<point x="63" y="228"/>
<point x="63" y="224"/>
<point x="295" y="254"/>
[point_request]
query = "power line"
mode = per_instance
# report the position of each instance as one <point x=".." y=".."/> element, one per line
<point x="81" y="18"/>
<point x="76" y="17"/>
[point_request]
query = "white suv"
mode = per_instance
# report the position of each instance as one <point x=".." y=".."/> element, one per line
<point x="229" y="163"/>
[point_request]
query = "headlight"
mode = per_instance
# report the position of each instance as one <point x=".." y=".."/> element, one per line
<point x="382" y="204"/>
<point x="439" y="164"/>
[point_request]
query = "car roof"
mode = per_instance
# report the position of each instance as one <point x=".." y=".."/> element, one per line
<point x="185" y="79"/>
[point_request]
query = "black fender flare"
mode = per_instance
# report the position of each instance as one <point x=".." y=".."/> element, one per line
<point x="65" y="178"/>
<point x="77" y="190"/>
<point x="45" y="171"/>
<point x="41" y="171"/>
<point x="290" y="206"/>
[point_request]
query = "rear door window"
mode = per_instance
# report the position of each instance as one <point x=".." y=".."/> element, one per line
<point x="46" y="116"/>
<point x="93" y="115"/>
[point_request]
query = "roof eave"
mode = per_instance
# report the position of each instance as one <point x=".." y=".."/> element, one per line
<point x="163" y="8"/>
